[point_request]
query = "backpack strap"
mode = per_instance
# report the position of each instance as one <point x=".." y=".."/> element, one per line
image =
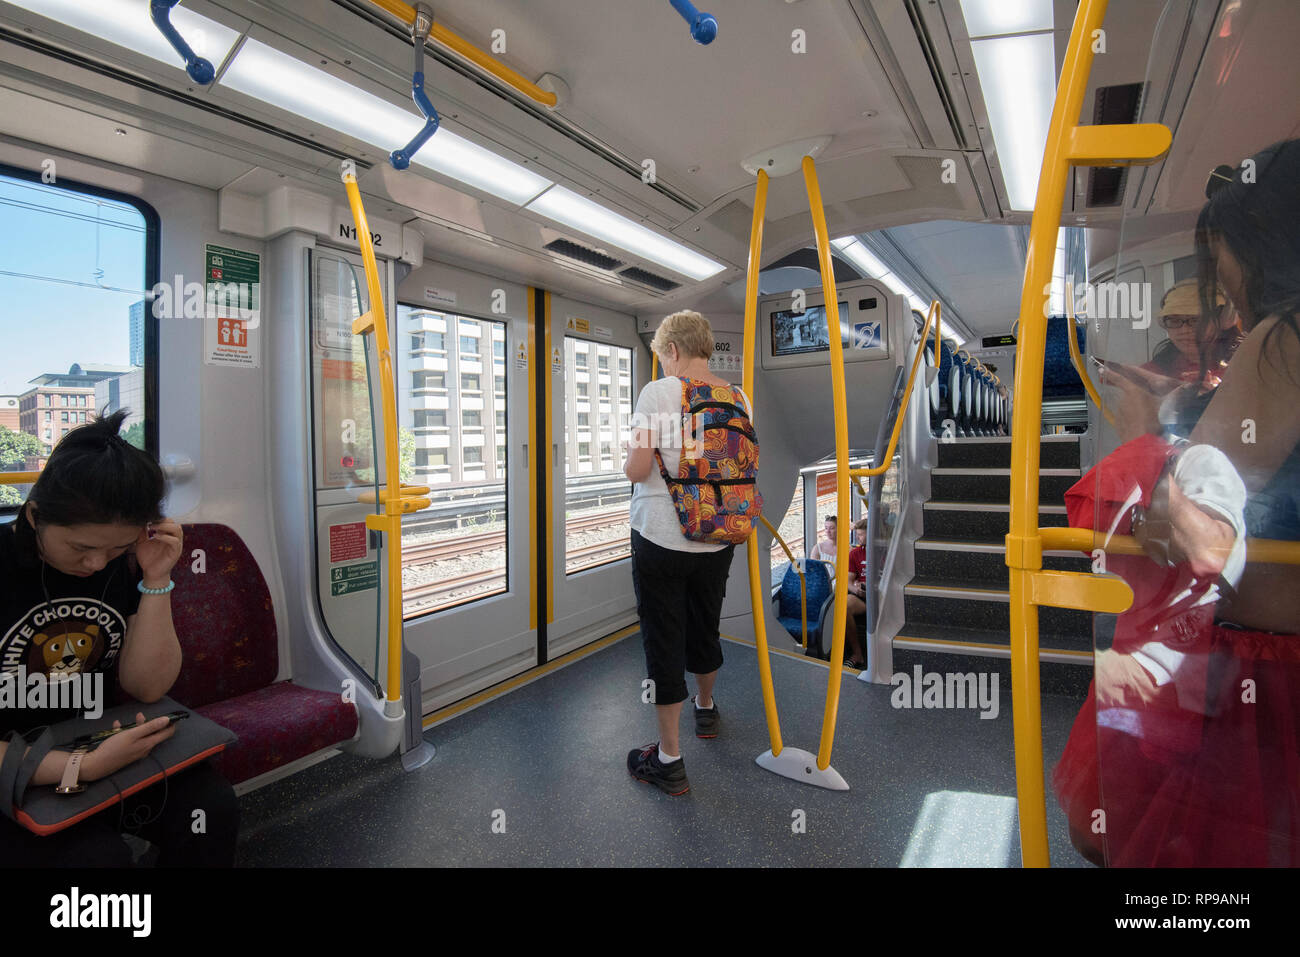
<point x="20" y="763"/>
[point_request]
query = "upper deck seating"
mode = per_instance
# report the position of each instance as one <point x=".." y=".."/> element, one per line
<point x="226" y="626"/>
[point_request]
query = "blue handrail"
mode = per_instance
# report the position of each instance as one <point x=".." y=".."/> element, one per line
<point x="420" y="28"/>
<point x="201" y="71"/>
<point x="704" y="26"/>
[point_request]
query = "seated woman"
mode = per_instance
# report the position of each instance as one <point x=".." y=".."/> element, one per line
<point x="824" y="551"/>
<point x="1185" y="752"/>
<point x="89" y="556"/>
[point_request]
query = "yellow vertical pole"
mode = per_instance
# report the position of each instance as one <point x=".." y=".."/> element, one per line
<point x="841" y="407"/>
<point x="536" y="453"/>
<point x="757" y="598"/>
<point x="1024" y="547"/>
<point x="392" y="519"/>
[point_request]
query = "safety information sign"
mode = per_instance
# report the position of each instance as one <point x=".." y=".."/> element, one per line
<point x="347" y="542"/>
<point x="347" y="579"/>
<point x="232" y="307"/>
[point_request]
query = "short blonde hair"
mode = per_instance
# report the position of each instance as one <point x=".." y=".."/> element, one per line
<point x="689" y="331"/>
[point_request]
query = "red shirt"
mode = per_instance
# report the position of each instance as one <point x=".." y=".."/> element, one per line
<point x="857" y="558"/>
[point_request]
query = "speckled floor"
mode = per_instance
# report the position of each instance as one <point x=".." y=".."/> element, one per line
<point x="538" y="778"/>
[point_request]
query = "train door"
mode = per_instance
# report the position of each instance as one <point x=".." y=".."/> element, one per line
<point x="595" y="357"/>
<point x="462" y="379"/>
<point x="346" y="457"/>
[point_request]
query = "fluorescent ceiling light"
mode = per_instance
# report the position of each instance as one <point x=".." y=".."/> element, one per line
<point x="874" y="267"/>
<point x="265" y="73"/>
<point x="1018" y="78"/>
<point x="127" y="23"/>
<point x="987" y="18"/>
<point x="567" y="207"/>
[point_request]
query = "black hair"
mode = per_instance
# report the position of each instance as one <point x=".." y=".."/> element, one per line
<point x="93" y="477"/>
<point x="1256" y="213"/>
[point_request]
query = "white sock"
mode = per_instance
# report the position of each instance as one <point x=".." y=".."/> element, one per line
<point x="697" y="705"/>
<point x="666" y="758"/>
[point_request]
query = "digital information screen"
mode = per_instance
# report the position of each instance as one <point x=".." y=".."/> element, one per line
<point x="797" y="333"/>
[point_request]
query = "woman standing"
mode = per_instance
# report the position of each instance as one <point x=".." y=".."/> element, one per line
<point x="680" y="583"/>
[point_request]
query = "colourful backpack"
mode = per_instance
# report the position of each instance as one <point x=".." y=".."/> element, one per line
<point x="715" y="490"/>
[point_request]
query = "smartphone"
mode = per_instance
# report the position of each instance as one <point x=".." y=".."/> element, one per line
<point x="1119" y="368"/>
<point x="96" y="737"/>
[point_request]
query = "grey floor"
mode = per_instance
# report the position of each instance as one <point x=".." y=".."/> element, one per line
<point x="538" y="778"/>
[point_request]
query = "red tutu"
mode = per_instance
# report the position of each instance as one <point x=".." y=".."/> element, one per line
<point x="1203" y="770"/>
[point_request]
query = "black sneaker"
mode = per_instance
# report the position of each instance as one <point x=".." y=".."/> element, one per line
<point x="644" y="765"/>
<point x="706" y="721"/>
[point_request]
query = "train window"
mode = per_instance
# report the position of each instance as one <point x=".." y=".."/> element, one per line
<point x="597" y="494"/>
<point x="791" y="530"/>
<point x="81" y="260"/>
<point x="455" y="550"/>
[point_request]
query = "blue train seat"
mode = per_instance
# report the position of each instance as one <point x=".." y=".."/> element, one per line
<point x="819" y="597"/>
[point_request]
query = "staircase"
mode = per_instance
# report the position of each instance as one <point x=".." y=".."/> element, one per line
<point x="957" y="606"/>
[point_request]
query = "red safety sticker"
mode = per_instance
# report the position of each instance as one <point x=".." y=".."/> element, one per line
<point x="347" y="542"/>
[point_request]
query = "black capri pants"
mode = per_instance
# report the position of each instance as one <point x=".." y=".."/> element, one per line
<point x="679" y="598"/>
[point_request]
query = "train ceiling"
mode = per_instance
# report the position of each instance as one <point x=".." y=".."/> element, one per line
<point x="893" y="82"/>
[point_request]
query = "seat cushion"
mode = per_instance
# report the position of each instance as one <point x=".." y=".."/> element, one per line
<point x="278" y="724"/>
<point x="223" y="617"/>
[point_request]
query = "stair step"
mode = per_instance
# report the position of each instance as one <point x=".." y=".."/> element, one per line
<point x="980" y="521"/>
<point x="980" y="563"/>
<point x="941" y="602"/>
<point x="1052" y="645"/>
<point x="1055" y="452"/>
<point x="994" y="484"/>
<point x="1056" y="674"/>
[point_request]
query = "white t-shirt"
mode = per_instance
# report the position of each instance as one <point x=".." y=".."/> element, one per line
<point x="653" y="514"/>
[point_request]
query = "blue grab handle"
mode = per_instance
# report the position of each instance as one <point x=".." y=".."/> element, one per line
<point x="401" y="159"/>
<point x="704" y="26"/>
<point x="201" y="71"/>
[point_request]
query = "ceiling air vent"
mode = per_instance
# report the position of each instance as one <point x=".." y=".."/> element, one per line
<point x="582" y="254"/>
<point x="1115" y="104"/>
<point x="649" y="279"/>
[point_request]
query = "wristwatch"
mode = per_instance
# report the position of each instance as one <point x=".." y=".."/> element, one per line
<point x="69" y="783"/>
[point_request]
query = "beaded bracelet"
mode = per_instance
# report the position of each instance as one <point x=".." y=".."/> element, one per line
<point x="155" y="591"/>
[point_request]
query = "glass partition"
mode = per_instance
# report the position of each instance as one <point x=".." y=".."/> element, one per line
<point x="1185" y="751"/>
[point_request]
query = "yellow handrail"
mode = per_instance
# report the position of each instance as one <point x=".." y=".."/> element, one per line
<point x="18" y="478"/>
<point x="375" y="322"/>
<point x="883" y="465"/>
<point x="1260" y="551"/>
<point x="484" y="61"/>
<point x="654" y="367"/>
<point x="1068" y="144"/>
<point x="1072" y="339"/>
<point x="839" y="397"/>
<point x="803" y="584"/>
<point x="747" y="384"/>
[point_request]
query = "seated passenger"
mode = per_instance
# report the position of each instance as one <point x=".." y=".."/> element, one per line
<point x="824" y="551"/>
<point x="856" y="602"/>
<point x="88" y="539"/>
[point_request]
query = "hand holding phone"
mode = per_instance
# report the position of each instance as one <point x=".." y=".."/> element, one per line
<point x="95" y="737"/>
<point x="126" y="745"/>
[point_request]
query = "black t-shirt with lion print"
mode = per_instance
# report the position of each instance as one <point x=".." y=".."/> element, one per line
<point x="61" y="630"/>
